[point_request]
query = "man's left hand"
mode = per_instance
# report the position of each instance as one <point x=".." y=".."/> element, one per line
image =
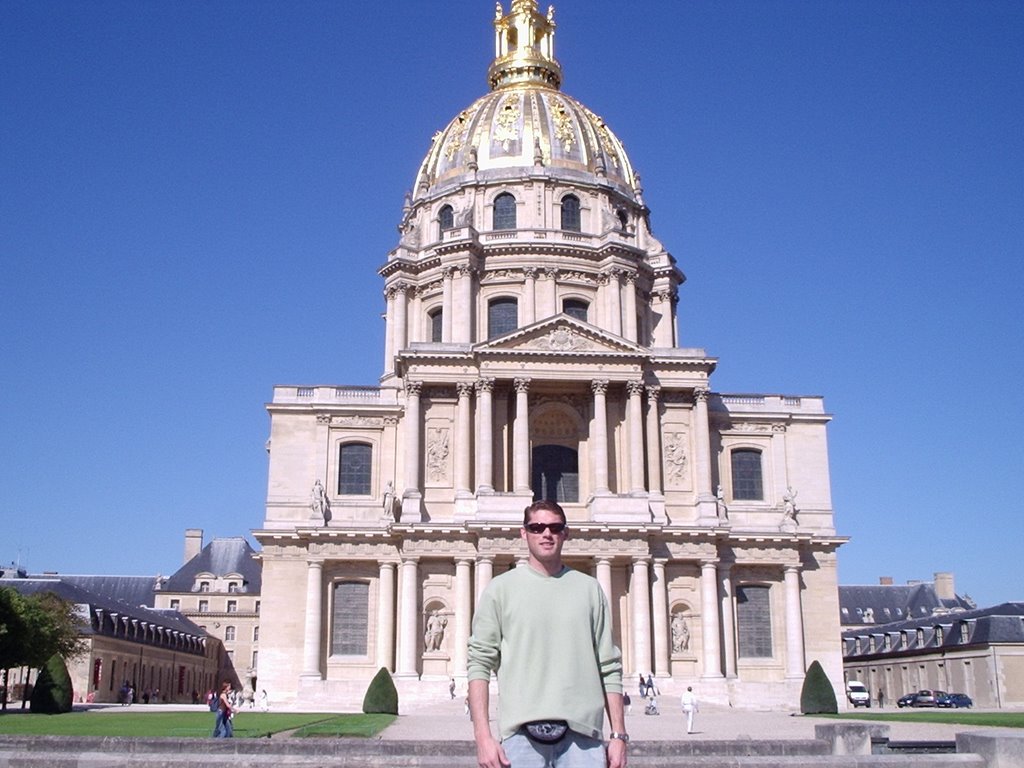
<point x="616" y="753"/>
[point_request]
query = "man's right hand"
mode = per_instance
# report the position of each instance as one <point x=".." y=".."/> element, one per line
<point x="489" y="754"/>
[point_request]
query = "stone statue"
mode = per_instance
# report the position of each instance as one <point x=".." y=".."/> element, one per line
<point x="320" y="504"/>
<point x="680" y="633"/>
<point x="434" y="635"/>
<point x="720" y="507"/>
<point x="675" y="455"/>
<point x="389" y="501"/>
<point x="789" y="505"/>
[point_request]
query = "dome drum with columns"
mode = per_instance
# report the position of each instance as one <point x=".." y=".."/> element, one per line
<point x="531" y="351"/>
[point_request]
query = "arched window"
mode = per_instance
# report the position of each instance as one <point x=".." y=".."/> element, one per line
<point x="746" y="475"/>
<point x="571" y="213"/>
<point x="575" y="308"/>
<point x="623" y="219"/>
<point x="436" y="317"/>
<point x="350" y="618"/>
<point x="556" y="474"/>
<point x="502" y="317"/>
<point x="753" y="622"/>
<point x="504" y="211"/>
<point x="445" y="218"/>
<point x="354" y="465"/>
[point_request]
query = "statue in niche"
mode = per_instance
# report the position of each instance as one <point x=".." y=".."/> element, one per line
<point x="320" y="504"/>
<point x="389" y="501"/>
<point x="680" y="633"/>
<point x="437" y="454"/>
<point x="434" y="635"/>
<point x="720" y="507"/>
<point x="789" y="506"/>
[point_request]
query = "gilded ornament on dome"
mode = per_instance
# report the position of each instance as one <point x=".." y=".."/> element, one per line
<point x="506" y="129"/>
<point x="604" y="136"/>
<point x="458" y="136"/>
<point x="563" y="125"/>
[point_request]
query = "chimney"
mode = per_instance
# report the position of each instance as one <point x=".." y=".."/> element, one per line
<point x="193" y="542"/>
<point x="885" y="581"/>
<point x="944" y="587"/>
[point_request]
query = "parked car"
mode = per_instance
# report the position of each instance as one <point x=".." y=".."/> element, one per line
<point x="956" y="700"/>
<point x="857" y="693"/>
<point x="906" y="701"/>
<point x="927" y="698"/>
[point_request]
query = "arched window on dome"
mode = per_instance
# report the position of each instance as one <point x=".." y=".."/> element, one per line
<point x="504" y="211"/>
<point x="436" y="317"/>
<point x="502" y="316"/>
<point x="623" y="219"/>
<point x="445" y="219"/>
<point x="575" y="308"/>
<point x="571" y="213"/>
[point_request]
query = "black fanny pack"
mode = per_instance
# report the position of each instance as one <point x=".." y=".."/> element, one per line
<point x="546" y="731"/>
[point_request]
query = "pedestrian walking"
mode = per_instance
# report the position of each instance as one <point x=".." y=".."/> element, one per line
<point x="689" y="702"/>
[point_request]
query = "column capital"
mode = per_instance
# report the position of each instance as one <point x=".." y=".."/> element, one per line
<point x="413" y="388"/>
<point x="530" y="273"/>
<point x="485" y="558"/>
<point x="700" y="394"/>
<point x="464" y="388"/>
<point x="724" y="568"/>
<point x="791" y="568"/>
<point x="653" y="392"/>
<point x="410" y="559"/>
<point x="641" y="560"/>
<point x="448" y="272"/>
<point x="522" y="386"/>
<point x="635" y="388"/>
<point x="599" y="386"/>
<point x="485" y="385"/>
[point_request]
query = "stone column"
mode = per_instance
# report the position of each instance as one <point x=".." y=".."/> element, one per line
<point x="463" y="440"/>
<point x="463" y="612"/>
<point x="462" y="330"/>
<point x="548" y="304"/>
<point x="639" y="590"/>
<point x="529" y="295"/>
<point x="521" y="437"/>
<point x="615" y="301"/>
<point x="603" y="573"/>
<point x="447" y="308"/>
<point x="389" y="332"/>
<point x="709" y="619"/>
<point x="728" y="624"/>
<point x="312" y="640"/>
<point x="484" y="572"/>
<point x="664" y="332"/>
<point x="412" y="438"/>
<point x="599" y="445"/>
<point x="636" y="437"/>
<point x="653" y="441"/>
<point x="386" y="616"/>
<point x="485" y="437"/>
<point x="794" y="624"/>
<point x="408" y="627"/>
<point x="659" y="612"/>
<point x="702" y="461"/>
<point x="401" y="316"/>
<point x="630" y="311"/>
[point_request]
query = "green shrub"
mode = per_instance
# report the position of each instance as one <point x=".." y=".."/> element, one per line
<point x="381" y="695"/>
<point x="52" y="692"/>
<point x="817" y="696"/>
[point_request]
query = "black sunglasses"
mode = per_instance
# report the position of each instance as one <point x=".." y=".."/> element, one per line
<point x="540" y="527"/>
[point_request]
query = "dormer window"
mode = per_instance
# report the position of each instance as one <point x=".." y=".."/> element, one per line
<point x="204" y="586"/>
<point x="504" y="211"/>
<point x="571" y="213"/>
<point x="232" y="586"/>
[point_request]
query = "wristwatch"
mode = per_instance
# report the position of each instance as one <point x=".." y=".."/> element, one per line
<point x="621" y="736"/>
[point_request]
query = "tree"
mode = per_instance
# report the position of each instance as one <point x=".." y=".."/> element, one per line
<point x="13" y="636"/>
<point x="381" y="695"/>
<point x="817" y="696"/>
<point x="52" y="694"/>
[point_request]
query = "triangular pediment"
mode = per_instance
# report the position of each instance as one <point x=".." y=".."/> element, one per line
<point x="561" y="334"/>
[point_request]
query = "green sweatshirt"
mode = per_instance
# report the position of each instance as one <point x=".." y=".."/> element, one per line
<point x="550" y="640"/>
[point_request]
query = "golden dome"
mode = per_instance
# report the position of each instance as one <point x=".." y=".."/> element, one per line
<point x="525" y="121"/>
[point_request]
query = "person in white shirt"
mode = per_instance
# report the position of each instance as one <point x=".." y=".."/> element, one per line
<point x="689" y="702"/>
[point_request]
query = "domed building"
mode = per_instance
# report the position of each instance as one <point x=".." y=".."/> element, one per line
<point x="531" y="352"/>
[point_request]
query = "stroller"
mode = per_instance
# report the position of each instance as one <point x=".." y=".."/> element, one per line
<point x="652" y="706"/>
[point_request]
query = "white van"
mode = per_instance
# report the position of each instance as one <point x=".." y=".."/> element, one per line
<point x="858" y="694"/>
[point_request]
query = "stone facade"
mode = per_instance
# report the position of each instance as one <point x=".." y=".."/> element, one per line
<point x="532" y="350"/>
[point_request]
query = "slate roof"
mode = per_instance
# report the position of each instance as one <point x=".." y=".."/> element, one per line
<point x="133" y="590"/>
<point x="221" y="557"/>
<point x="884" y="603"/>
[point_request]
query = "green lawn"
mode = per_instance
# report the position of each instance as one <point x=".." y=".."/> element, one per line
<point x="957" y="716"/>
<point x="190" y="724"/>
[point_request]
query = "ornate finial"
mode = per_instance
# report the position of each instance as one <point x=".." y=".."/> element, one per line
<point x="524" y="47"/>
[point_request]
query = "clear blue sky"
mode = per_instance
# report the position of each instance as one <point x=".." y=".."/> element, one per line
<point x="195" y="197"/>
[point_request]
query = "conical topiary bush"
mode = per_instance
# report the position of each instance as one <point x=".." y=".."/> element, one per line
<point x="817" y="696"/>
<point x="52" y="693"/>
<point x="381" y="696"/>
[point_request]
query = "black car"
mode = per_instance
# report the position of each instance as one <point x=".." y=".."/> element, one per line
<point x="907" y="701"/>
<point x="956" y="700"/>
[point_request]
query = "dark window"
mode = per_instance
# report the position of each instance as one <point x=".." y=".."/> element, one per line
<point x="556" y="474"/>
<point x="571" y="213"/>
<point x="354" y="469"/>
<point x="575" y="308"/>
<point x="623" y="219"/>
<point x="446" y="218"/>
<point x="746" y="475"/>
<point x="350" y="619"/>
<point x="504" y="211"/>
<point x="502" y="317"/>
<point x="753" y="622"/>
<point x="436" y="322"/>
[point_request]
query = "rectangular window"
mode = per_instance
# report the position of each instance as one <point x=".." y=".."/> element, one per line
<point x="256" y="633"/>
<point x="204" y="606"/>
<point x="754" y="622"/>
<point x="350" y="620"/>
<point x="232" y="606"/>
<point x="746" y="475"/>
<point x="354" y="469"/>
<point x="502" y="317"/>
<point x="175" y="605"/>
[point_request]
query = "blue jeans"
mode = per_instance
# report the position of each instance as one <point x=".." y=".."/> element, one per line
<point x="574" y="751"/>
<point x="224" y="729"/>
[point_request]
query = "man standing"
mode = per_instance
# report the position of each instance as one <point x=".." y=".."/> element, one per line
<point x="689" y="702"/>
<point x="546" y="630"/>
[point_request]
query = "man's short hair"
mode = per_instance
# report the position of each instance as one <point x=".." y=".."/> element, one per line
<point x="543" y="504"/>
